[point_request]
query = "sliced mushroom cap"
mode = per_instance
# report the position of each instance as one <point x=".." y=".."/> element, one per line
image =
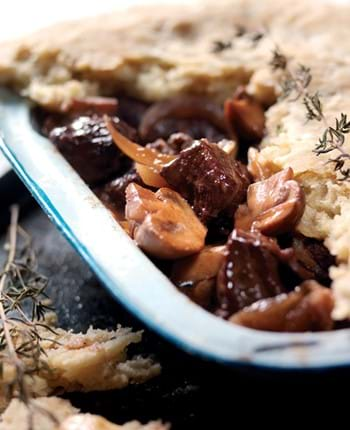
<point x="195" y="276"/>
<point x="258" y="167"/>
<point x="274" y="206"/>
<point x="307" y="308"/>
<point x="245" y="115"/>
<point x="165" y="226"/>
<point x="186" y="107"/>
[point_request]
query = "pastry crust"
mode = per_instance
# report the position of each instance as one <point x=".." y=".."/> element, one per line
<point x="94" y="361"/>
<point x="66" y="417"/>
<point x="159" y="51"/>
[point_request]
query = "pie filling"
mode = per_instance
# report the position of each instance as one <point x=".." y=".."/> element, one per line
<point x="182" y="178"/>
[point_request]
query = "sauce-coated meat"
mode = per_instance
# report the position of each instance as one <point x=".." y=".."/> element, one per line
<point x="112" y="194"/>
<point x="209" y="179"/>
<point x="250" y="272"/>
<point x="87" y="145"/>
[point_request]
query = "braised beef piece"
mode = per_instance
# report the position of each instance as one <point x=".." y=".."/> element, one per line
<point x="173" y="145"/>
<point x="250" y="272"/>
<point x="196" y="128"/>
<point x="194" y="115"/>
<point x="87" y="145"/>
<point x="209" y="179"/>
<point x="219" y="229"/>
<point x="44" y="122"/>
<point x="113" y="193"/>
<point x="131" y="110"/>
<point x="307" y="308"/>
<point x="87" y="106"/>
<point x="314" y="258"/>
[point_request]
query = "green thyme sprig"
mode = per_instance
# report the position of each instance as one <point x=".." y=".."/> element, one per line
<point x="294" y="85"/>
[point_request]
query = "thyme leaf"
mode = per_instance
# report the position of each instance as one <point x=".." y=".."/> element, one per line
<point x="220" y="45"/>
<point x="294" y="85"/>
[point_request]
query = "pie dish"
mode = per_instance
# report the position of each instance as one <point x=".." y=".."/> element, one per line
<point x="158" y="54"/>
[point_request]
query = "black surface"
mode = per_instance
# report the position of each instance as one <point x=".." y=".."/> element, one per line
<point x="190" y="393"/>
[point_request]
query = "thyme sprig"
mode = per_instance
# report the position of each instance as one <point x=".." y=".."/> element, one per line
<point x="221" y="45"/>
<point x="295" y="85"/>
<point x="22" y="293"/>
<point x="254" y="36"/>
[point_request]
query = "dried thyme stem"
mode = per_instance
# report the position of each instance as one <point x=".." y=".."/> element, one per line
<point x="20" y="339"/>
<point x="9" y="263"/>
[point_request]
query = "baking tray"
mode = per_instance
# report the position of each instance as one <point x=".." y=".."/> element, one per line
<point x="131" y="277"/>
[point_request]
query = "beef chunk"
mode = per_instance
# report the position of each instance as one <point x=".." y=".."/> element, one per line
<point x="173" y="145"/>
<point x="249" y="273"/>
<point x="196" y="128"/>
<point x="209" y="179"/>
<point x="307" y="308"/>
<point x="131" y="110"/>
<point x="87" y="145"/>
<point x="314" y="258"/>
<point x="113" y="193"/>
<point x="219" y="229"/>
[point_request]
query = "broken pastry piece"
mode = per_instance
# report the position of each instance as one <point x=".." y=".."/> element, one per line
<point x="47" y="412"/>
<point x="94" y="422"/>
<point x="53" y="413"/>
<point x="94" y="361"/>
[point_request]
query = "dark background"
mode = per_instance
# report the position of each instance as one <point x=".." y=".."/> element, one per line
<point x="190" y="393"/>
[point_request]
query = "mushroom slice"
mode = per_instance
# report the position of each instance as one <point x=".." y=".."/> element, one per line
<point x="258" y="167"/>
<point x="181" y="107"/>
<point x="245" y="115"/>
<point x="195" y="276"/>
<point x="164" y="225"/>
<point x="274" y="206"/>
<point x="307" y="308"/>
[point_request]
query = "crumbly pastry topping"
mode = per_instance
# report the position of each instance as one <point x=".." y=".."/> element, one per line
<point x="64" y="417"/>
<point x="16" y="416"/>
<point x="94" y="361"/>
<point x="156" y="53"/>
